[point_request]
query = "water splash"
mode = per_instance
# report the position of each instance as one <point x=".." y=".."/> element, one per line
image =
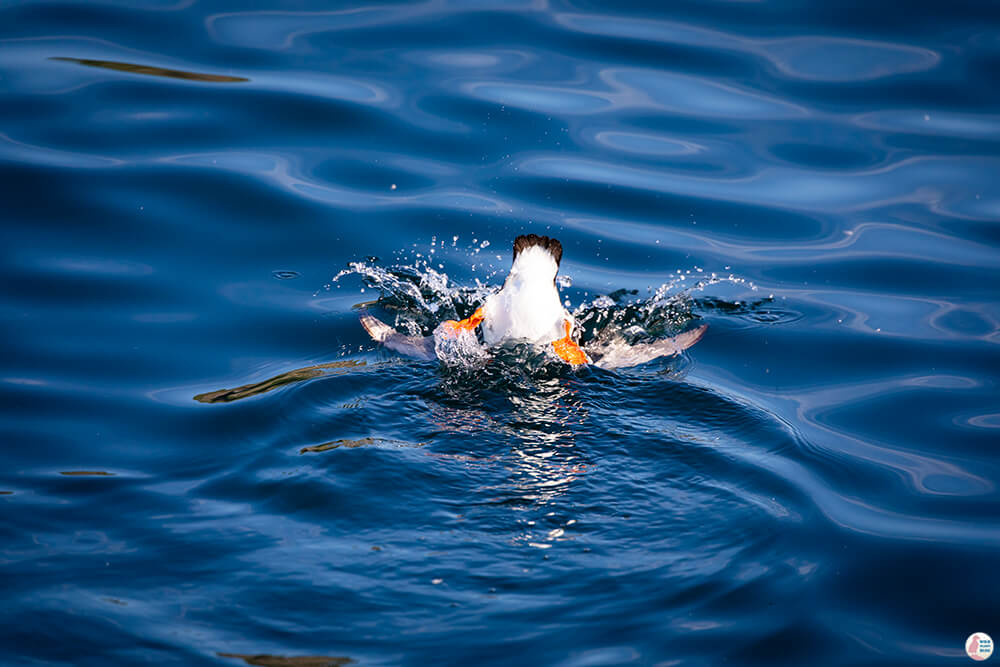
<point x="421" y="296"/>
<point x="624" y="315"/>
<point x="461" y="349"/>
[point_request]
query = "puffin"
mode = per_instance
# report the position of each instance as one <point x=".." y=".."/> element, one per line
<point x="528" y="309"/>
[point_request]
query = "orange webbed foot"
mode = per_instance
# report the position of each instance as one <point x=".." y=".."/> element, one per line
<point x="455" y="327"/>
<point x="567" y="349"/>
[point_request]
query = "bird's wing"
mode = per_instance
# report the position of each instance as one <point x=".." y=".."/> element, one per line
<point x="411" y="346"/>
<point x="618" y="354"/>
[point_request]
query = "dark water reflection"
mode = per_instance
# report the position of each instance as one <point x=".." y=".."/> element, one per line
<point x="264" y="660"/>
<point x="207" y="461"/>
<point x="288" y="377"/>
<point x="132" y="68"/>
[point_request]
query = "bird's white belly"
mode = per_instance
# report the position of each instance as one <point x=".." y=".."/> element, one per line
<point x="531" y="314"/>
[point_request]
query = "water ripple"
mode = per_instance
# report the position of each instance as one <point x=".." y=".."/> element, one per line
<point x="209" y="461"/>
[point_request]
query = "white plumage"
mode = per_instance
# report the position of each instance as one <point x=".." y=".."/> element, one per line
<point x="528" y="307"/>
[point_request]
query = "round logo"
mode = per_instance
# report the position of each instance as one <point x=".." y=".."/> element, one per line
<point x="979" y="646"/>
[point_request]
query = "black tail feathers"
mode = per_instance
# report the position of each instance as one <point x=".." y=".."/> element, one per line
<point x="551" y="245"/>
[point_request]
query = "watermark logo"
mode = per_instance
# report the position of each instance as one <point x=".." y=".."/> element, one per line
<point x="979" y="646"/>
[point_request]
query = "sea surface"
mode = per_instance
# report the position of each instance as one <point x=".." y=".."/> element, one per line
<point x="206" y="461"/>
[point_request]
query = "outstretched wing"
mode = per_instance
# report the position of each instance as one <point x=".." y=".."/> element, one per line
<point x="619" y="354"/>
<point x="411" y="346"/>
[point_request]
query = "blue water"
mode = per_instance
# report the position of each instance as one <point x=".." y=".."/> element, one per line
<point x="814" y="483"/>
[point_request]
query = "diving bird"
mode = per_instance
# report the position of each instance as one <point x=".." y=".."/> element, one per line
<point x="528" y="309"/>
